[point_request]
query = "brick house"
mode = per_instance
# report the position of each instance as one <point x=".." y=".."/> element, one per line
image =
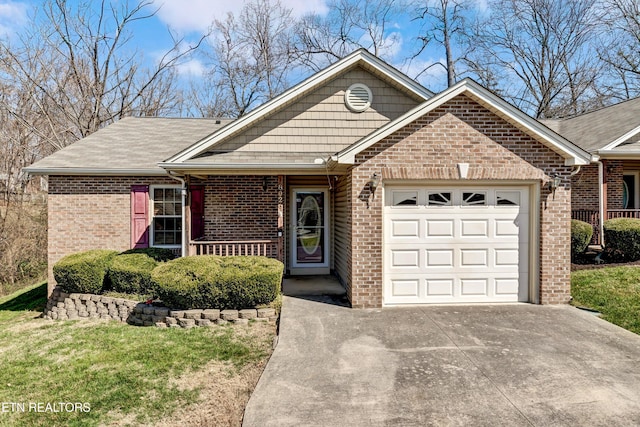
<point x="406" y="196"/>
<point x="610" y="186"/>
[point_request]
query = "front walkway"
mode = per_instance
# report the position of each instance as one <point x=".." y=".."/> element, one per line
<point x="512" y="365"/>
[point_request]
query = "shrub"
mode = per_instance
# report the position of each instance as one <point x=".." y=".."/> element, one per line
<point x="130" y="273"/>
<point x="158" y="254"/>
<point x="581" y="233"/>
<point x="218" y="282"/>
<point x="622" y="239"/>
<point x="84" y="272"/>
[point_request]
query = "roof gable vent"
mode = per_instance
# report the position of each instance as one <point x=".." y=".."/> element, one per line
<point x="358" y="97"/>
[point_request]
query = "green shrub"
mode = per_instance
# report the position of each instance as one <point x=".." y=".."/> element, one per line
<point x="84" y="272"/>
<point x="218" y="282"/>
<point x="130" y="273"/>
<point x="159" y="254"/>
<point x="622" y="239"/>
<point x="581" y="233"/>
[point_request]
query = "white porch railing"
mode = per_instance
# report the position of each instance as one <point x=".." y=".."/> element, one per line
<point x="269" y="248"/>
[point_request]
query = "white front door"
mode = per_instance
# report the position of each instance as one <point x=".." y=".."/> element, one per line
<point x="456" y="244"/>
<point x="310" y="231"/>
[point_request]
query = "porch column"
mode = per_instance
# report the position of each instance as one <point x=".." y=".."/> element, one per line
<point x="281" y="217"/>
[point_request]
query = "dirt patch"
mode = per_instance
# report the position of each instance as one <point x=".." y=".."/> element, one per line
<point x="224" y="390"/>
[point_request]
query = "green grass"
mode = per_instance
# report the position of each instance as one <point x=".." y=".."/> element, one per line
<point x="613" y="291"/>
<point x="119" y="370"/>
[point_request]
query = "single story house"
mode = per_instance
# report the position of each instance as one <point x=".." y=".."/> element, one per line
<point x="408" y="197"/>
<point x="610" y="186"/>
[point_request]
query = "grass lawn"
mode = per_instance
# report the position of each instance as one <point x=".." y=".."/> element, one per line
<point x="613" y="291"/>
<point x="127" y="375"/>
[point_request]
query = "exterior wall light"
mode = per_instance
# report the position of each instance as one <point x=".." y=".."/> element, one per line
<point x="265" y="183"/>
<point x="555" y="182"/>
<point x="374" y="181"/>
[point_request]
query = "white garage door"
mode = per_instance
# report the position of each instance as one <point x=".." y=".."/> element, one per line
<point x="456" y="244"/>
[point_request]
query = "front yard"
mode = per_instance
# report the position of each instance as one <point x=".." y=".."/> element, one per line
<point x="613" y="291"/>
<point x="82" y="373"/>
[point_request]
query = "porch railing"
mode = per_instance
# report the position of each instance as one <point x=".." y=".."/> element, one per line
<point x="593" y="217"/>
<point x="268" y="247"/>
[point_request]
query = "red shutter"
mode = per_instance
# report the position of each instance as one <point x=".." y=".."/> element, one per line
<point x="139" y="216"/>
<point x="197" y="211"/>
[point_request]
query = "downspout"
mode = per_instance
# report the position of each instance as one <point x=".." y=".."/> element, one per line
<point x="184" y="211"/>
<point x="601" y="197"/>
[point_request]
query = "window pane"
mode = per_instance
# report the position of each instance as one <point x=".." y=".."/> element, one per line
<point x="507" y="198"/>
<point x="439" y="199"/>
<point x="405" y="198"/>
<point x="167" y="221"/>
<point x="474" y="199"/>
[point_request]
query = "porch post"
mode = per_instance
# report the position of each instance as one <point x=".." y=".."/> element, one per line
<point x="281" y="217"/>
<point x="187" y="213"/>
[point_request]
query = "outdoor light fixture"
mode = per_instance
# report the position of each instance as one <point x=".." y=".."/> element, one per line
<point x="265" y="183"/>
<point x="375" y="180"/>
<point x="555" y="182"/>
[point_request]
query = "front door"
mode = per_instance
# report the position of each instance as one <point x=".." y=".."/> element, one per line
<point x="310" y="231"/>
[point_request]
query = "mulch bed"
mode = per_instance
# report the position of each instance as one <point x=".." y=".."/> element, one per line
<point x="587" y="261"/>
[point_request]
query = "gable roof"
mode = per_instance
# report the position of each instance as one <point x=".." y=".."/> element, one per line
<point x="572" y="154"/>
<point x="603" y="129"/>
<point x="133" y="145"/>
<point x="360" y="58"/>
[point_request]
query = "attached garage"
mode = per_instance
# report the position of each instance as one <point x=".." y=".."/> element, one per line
<point x="455" y="244"/>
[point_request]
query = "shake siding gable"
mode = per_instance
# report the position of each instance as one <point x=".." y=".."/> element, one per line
<point x="320" y="121"/>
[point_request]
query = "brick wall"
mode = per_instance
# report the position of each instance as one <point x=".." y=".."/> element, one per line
<point x="238" y="208"/>
<point x="429" y="149"/>
<point x="614" y="173"/>
<point x="584" y="188"/>
<point x="90" y="213"/>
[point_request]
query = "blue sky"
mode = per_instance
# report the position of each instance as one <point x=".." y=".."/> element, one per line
<point x="191" y="18"/>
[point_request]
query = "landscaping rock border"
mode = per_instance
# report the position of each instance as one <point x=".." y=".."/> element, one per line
<point x="64" y="306"/>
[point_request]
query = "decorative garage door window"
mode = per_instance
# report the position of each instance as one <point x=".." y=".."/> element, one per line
<point x="507" y="198"/>
<point x="310" y="227"/>
<point x="405" y="198"/>
<point x="474" y="198"/>
<point x="167" y="217"/>
<point x="438" y="198"/>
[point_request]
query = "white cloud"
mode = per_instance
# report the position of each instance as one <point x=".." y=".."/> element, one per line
<point x="13" y="15"/>
<point x="193" y="68"/>
<point x="427" y="72"/>
<point x="197" y="15"/>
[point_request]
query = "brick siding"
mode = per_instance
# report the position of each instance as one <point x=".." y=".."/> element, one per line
<point x="429" y="149"/>
<point x="584" y="188"/>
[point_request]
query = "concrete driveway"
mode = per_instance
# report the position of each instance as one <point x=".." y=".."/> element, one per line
<point x="512" y="365"/>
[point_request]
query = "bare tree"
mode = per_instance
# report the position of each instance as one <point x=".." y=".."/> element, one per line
<point x="442" y="22"/>
<point x="541" y="53"/>
<point x="92" y="79"/>
<point x="349" y="25"/>
<point x="621" y="50"/>
<point x="250" y="59"/>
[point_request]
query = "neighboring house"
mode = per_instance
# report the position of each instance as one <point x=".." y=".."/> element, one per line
<point x="406" y="196"/>
<point x="610" y="187"/>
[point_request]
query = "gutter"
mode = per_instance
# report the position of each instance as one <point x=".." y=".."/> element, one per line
<point x="94" y="172"/>
<point x="241" y="166"/>
<point x="601" y="199"/>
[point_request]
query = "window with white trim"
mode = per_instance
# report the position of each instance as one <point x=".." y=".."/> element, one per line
<point x="166" y="223"/>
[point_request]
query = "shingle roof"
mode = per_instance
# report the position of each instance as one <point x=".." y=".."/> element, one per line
<point x="596" y="129"/>
<point x="133" y="143"/>
<point x="257" y="157"/>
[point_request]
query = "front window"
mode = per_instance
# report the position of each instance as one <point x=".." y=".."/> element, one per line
<point x="166" y="225"/>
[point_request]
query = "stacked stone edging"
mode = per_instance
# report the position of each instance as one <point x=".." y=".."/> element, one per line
<point x="64" y="306"/>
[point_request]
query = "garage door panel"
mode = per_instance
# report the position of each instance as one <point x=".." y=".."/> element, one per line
<point x="440" y="228"/>
<point x="474" y="228"/>
<point x="405" y="258"/>
<point x="404" y="228"/>
<point x="473" y="287"/>
<point x="439" y="288"/>
<point x="458" y="253"/>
